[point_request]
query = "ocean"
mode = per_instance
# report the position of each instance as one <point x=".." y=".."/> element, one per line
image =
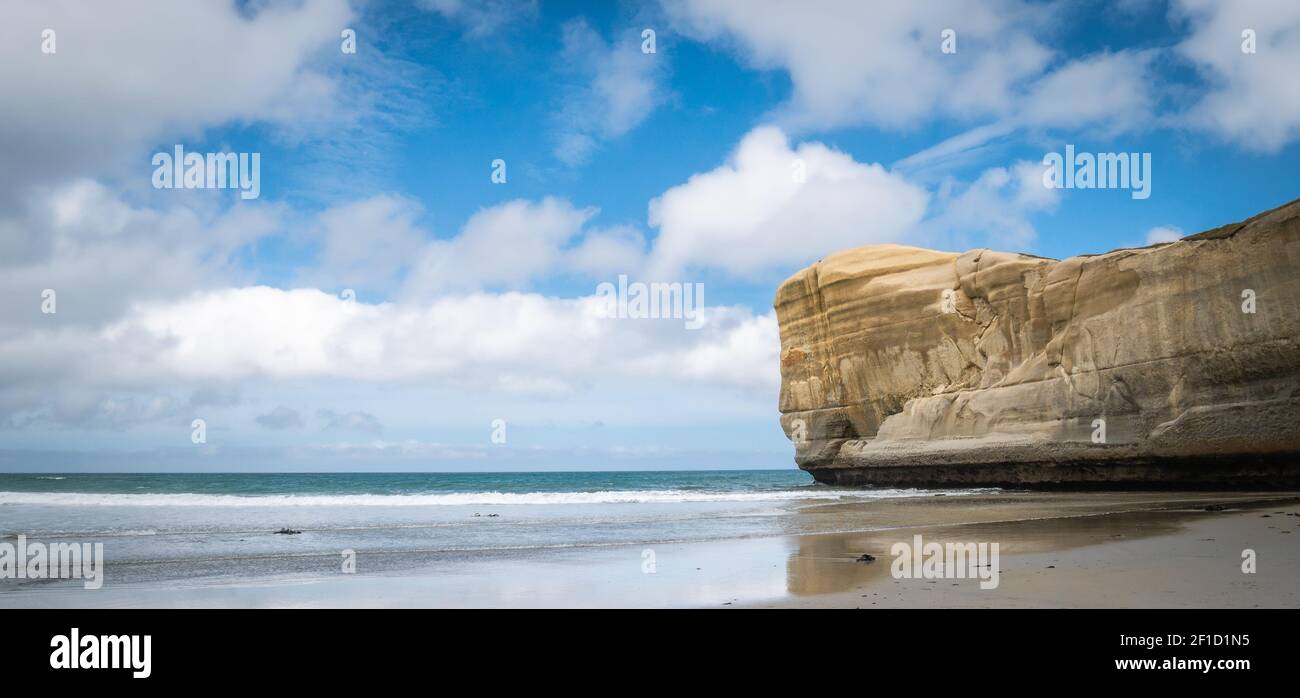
<point x="222" y="528"/>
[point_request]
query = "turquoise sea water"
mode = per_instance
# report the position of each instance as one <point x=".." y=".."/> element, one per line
<point x="163" y="527"/>
<point x="406" y="484"/>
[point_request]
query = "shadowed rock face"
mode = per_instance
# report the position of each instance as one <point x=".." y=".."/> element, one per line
<point x="1139" y="367"/>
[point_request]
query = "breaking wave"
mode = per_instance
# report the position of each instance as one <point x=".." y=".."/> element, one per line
<point x="445" y="499"/>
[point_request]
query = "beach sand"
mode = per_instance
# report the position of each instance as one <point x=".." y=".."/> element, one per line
<point x="1073" y="550"/>
<point x="1097" y="549"/>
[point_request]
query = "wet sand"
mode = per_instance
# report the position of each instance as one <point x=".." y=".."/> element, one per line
<point x="1100" y="549"/>
<point x="1075" y="551"/>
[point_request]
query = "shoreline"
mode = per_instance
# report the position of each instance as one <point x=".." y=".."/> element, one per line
<point x="1085" y="549"/>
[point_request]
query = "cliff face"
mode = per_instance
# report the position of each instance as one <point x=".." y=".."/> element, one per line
<point x="905" y="366"/>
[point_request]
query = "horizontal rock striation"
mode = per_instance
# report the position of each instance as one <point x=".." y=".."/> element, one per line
<point x="1176" y="364"/>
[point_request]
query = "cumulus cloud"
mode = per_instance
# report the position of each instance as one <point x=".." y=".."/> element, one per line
<point x="159" y="315"/>
<point x="366" y="244"/>
<point x="153" y="316"/>
<point x="620" y="87"/>
<point x="773" y="205"/>
<point x="745" y="356"/>
<point x="148" y="70"/>
<point x="503" y="246"/>
<point x="608" y="252"/>
<point x="880" y="63"/>
<point x="100" y="254"/>
<point x="1252" y="99"/>
<point x="377" y="244"/>
<point x="510" y="343"/>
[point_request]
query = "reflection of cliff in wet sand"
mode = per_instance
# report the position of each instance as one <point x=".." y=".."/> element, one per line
<point x="1089" y="549"/>
<point x="1174" y="365"/>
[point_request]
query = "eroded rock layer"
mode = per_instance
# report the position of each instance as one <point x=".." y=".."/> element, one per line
<point x="1171" y="365"/>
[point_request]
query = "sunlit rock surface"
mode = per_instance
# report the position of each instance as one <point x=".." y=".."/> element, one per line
<point x="1138" y="367"/>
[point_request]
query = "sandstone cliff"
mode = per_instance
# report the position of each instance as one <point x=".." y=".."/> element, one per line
<point x="905" y="366"/>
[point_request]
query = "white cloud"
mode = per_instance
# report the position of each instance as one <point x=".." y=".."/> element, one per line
<point x="144" y="70"/>
<point x="880" y="63"/>
<point x="512" y="343"/>
<point x="992" y="211"/>
<point x="366" y="244"/>
<point x="506" y="245"/>
<point x="622" y="86"/>
<point x="1163" y="233"/>
<point x="100" y="254"/>
<point x="1252" y="98"/>
<point x="752" y="215"/>
<point x="746" y="356"/>
<point x="375" y="242"/>
<point x="1108" y="90"/>
<point x="608" y="252"/>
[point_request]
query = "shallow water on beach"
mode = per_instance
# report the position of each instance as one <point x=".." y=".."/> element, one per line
<point x="160" y="527"/>
<point x="630" y="539"/>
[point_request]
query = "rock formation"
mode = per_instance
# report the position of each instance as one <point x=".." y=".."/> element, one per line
<point x="1176" y="364"/>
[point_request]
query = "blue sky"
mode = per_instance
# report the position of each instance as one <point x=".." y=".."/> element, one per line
<point x="474" y="299"/>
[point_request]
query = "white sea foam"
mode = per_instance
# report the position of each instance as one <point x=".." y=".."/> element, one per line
<point x="444" y="499"/>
